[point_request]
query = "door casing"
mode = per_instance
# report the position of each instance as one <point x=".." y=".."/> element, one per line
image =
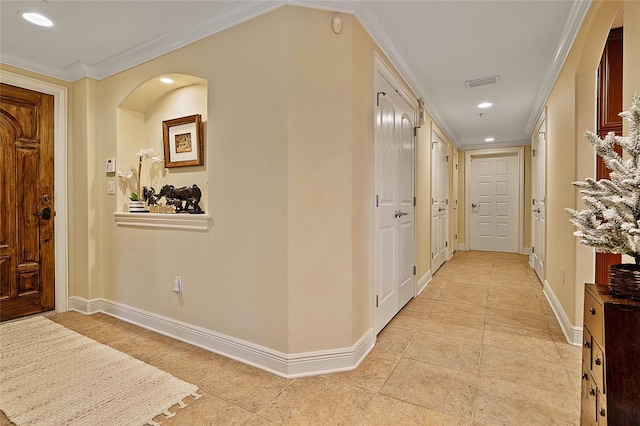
<point x="60" y="95"/>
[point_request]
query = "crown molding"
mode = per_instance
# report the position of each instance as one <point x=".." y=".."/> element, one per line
<point x="565" y="41"/>
<point x="342" y="6"/>
<point x="385" y="41"/>
<point x="24" y="63"/>
<point x="234" y="13"/>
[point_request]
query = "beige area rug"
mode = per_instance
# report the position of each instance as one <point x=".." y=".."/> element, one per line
<point x="50" y="375"/>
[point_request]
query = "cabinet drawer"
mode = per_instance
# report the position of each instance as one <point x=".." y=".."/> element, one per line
<point x="586" y="347"/>
<point x="589" y="394"/>
<point x="593" y="317"/>
<point x="601" y="412"/>
<point x="597" y="366"/>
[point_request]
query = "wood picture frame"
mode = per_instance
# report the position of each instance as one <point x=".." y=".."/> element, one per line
<point x="183" y="144"/>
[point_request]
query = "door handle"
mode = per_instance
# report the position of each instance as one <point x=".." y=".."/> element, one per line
<point x="45" y="214"/>
<point x="400" y="213"/>
<point x="441" y="209"/>
<point x="536" y="210"/>
<point x="474" y="205"/>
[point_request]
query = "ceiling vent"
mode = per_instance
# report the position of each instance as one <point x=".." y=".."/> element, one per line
<point x="482" y="81"/>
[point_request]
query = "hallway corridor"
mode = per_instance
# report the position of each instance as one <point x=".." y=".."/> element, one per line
<point x="480" y="346"/>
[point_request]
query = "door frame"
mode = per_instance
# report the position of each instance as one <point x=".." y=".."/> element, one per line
<point x="60" y="95"/>
<point x="381" y="67"/>
<point x="519" y="152"/>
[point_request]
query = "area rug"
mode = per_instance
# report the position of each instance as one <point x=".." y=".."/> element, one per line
<point x="50" y="375"/>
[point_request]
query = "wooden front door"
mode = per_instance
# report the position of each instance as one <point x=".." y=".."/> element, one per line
<point x="27" y="284"/>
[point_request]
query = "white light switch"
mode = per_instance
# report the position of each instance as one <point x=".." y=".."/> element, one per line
<point x="111" y="187"/>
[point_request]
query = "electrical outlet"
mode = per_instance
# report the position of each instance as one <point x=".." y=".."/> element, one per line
<point x="177" y="284"/>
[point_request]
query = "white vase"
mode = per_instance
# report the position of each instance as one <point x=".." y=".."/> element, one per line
<point x="136" y="207"/>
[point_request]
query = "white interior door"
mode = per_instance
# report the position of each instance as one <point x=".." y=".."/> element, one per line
<point x="439" y="201"/>
<point x="494" y="202"/>
<point x="395" y="212"/>
<point x="538" y="192"/>
<point x="454" y="206"/>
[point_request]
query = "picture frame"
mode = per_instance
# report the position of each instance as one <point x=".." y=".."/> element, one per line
<point x="183" y="144"/>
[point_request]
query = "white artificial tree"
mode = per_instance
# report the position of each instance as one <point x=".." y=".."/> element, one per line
<point x="611" y="220"/>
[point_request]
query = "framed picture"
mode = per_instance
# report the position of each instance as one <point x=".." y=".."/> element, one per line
<point x="183" y="141"/>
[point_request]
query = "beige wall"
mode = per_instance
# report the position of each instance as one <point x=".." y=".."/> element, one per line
<point x="288" y="168"/>
<point x="570" y="112"/>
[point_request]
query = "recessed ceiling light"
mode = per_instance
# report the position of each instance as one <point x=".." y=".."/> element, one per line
<point x="490" y="139"/>
<point x="36" y="18"/>
<point x="166" y="80"/>
<point x="485" y="105"/>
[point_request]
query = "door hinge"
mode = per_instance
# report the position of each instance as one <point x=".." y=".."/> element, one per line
<point x="447" y="158"/>
<point x="378" y="97"/>
<point x="414" y="201"/>
<point x="414" y="270"/>
<point x="415" y="131"/>
<point x="456" y="236"/>
<point x="446" y="243"/>
<point x="376" y="300"/>
<point x="533" y="249"/>
<point x="432" y="201"/>
<point x="447" y="203"/>
<point x="377" y="200"/>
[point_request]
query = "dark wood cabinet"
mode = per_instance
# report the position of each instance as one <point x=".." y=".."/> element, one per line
<point x="610" y="359"/>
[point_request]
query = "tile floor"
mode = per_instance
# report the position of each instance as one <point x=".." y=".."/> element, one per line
<point x="480" y="346"/>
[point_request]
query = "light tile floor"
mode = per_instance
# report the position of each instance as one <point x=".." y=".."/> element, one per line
<point x="480" y="346"/>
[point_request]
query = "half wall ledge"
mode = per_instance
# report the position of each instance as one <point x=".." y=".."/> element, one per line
<point x="192" y="222"/>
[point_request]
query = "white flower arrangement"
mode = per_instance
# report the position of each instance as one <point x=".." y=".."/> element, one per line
<point x="611" y="221"/>
<point x="126" y="175"/>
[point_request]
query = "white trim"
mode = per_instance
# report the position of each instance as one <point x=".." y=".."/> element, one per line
<point x="423" y="282"/>
<point x="526" y="250"/>
<point x="59" y="176"/>
<point x="462" y="247"/>
<point x="565" y="41"/>
<point x="195" y="222"/>
<point x="572" y="333"/>
<point x="519" y="151"/>
<point x="289" y="366"/>
<point x="342" y="6"/>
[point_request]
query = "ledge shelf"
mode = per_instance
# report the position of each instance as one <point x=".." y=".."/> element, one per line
<point x="193" y="222"/>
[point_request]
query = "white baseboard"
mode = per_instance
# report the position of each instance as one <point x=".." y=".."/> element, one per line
<point x="572" y="333"/>
<point x="424" y="281"/>
<point x="462" y="247"/>
<point x="289" y="366"/>
<point x="526" y="250"/>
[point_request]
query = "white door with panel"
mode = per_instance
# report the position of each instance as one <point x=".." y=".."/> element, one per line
<point x="394" y="211"/>
<point x="494" y="202"/>
<point x="454" y="205"/>
<point x="439" y="200"/>
<point x="539" y="197"/>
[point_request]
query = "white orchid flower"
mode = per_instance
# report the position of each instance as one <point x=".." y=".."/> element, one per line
<point x="125" y="174"/>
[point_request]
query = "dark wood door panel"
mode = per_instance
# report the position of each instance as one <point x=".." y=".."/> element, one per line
<point x="27" y="273"/>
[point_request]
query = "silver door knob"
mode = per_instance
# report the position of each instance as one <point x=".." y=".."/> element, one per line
<point x="400" y="213"/>
<point x="441" y="209"/>
<point x="474" y="205"/>
<point x="536" y="210"/>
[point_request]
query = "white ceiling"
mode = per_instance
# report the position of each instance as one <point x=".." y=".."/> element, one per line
<point x="437" y="46"/>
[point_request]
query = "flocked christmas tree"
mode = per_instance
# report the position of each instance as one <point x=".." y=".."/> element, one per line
<point x="611" y="220"/>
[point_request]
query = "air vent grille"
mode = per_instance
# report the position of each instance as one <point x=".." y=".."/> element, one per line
<point x="482" y="81"/>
